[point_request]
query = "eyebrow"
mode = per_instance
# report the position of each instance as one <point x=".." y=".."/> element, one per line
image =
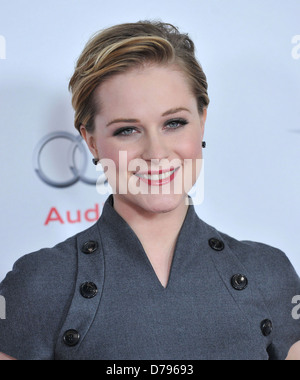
<point x="172" y="111"/>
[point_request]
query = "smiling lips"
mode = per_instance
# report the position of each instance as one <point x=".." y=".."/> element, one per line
<point x="158" y="178"/>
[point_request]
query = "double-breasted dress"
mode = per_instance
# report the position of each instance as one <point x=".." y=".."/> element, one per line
<point x="96" y="296"/>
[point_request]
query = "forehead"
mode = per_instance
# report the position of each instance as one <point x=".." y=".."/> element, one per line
<point x="151" y="88"/>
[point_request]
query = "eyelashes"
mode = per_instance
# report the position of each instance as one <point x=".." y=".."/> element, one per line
<point x="123" y="131"/>
<point x="171" y="125"/>
<point x="178" y="122"/>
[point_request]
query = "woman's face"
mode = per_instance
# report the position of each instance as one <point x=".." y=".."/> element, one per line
<point x="149" y="122"/>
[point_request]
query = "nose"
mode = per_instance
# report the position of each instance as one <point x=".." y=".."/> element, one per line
<point x="154" y="148"/>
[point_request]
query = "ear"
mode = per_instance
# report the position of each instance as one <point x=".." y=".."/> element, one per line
<point x="203" y="118"/>
<point x="204" y="115"/>
<point x="90" y="141"/>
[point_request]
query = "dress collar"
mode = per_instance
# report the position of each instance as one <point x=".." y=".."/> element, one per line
<point x="114" y="228"/>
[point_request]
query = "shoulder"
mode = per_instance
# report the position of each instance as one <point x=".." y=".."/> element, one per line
<point x="262" y="259"/>
<point x="50" y="263"/>
<point x="38" y="266"/>
<point x="266" y="263"/>
<point x="267" y="266"/>
<point x="37" y="293"/>
<point x="46" y="276"/>
<point x="275" y="283"/>
<point x="40" y="278"/>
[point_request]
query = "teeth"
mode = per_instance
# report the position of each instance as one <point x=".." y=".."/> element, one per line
<point x="156" y="177"/>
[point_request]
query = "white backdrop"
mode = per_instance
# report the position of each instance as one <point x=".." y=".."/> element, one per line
<point x="250" y="51"/>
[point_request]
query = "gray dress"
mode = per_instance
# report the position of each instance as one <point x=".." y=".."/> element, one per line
<point x="96" y="296"/>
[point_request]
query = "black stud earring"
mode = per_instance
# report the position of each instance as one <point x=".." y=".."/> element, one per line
<point x="95" y="161"/>
<point x="204" y="144"/>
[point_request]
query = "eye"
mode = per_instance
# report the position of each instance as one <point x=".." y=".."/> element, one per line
<point x="124" y="132"/>
<point x="170" y="124"/>
<point x="176" y="123"/>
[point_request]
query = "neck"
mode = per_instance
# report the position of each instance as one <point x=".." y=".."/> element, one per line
<point x="157" y="231"/>
<point x="154" y="229"/>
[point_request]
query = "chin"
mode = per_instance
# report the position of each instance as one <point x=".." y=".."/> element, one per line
<point x="159" y="203"/>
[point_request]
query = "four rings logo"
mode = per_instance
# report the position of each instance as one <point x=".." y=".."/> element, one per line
<point x="76" y="151"/>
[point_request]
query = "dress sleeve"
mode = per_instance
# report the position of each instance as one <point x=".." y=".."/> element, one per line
<point x="18" y="331"/>
<point x="279" y="285"/>
<point x="35" y="295"/>
<point x="284" y="305"/>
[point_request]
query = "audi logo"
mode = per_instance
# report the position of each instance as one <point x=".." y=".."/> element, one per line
<point x="77" y="170"/>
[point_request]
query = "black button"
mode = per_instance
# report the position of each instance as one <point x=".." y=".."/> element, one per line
<point x="266" y="327"/>
<point x="239" y="282"/>
<point x="89" y="247"/>
<point x="216" y="244"/>
<point x="71" y="338"/>
<point x="88" y="290"/>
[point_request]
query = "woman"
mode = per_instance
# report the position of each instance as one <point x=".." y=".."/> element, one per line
<point x="150" y="280"/>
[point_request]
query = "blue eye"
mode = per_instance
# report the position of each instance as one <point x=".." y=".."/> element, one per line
<point x="124" y="132"/>
<point x="170" y="124"/>
<point x="176" y="123"/>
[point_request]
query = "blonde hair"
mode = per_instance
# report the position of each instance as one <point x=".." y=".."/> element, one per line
<point x="122" y="47"/>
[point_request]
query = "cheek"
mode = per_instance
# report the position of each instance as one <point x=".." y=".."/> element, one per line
<point x="107" y="151"/>
<point x="110" y="150"/>
<point x="191" y="152"/>
<point x="109" y="159"/>
<point x="115" y="162"/>
<point x="191" y="148"/>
